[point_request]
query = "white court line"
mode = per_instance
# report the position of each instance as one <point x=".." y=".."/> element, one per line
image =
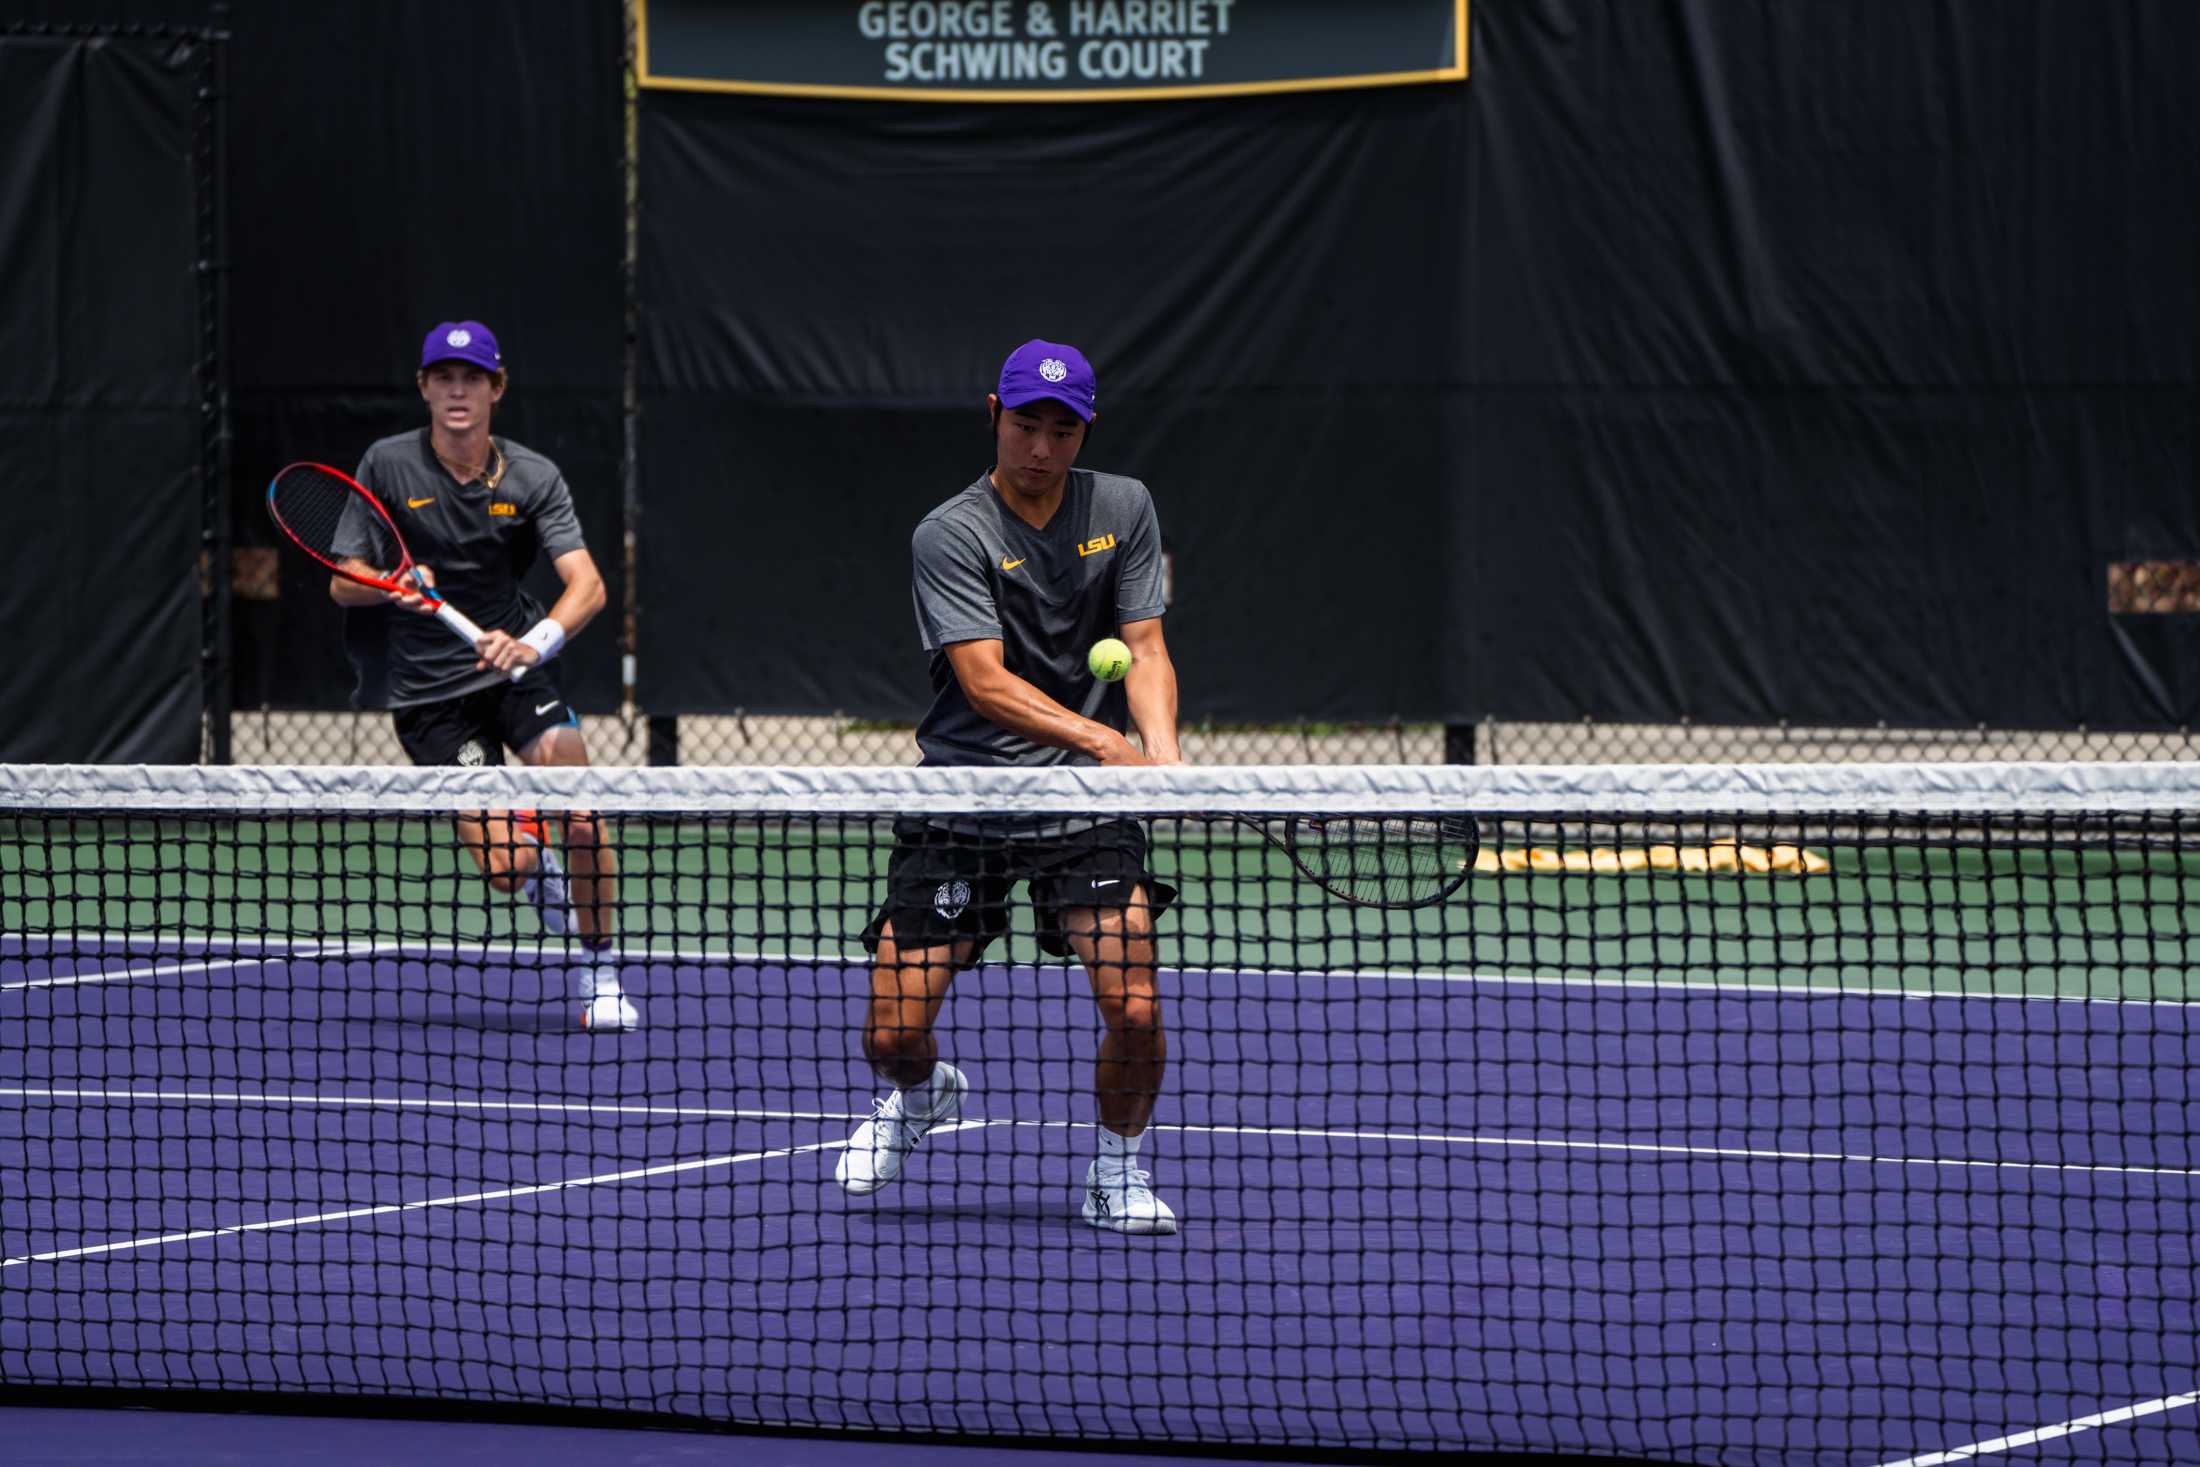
<point x="1933" y="1459"/>
<point x="551" y="950"/>
<point x="502" y="1194"/>
<point x="131" y="975"/>
<point x="1410" y="1138"/>
<point x="1745" y="1153"/>
<point x="399" y="1102"/>
<point x="2050" y="1433"/>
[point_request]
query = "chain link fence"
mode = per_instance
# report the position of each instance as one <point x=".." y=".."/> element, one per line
<point x="262" y="736"/>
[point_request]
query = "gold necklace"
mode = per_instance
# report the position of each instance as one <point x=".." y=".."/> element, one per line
<point x="469" y="472"/>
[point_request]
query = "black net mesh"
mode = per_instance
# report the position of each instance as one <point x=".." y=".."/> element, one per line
<point x="1718" y="1116"/>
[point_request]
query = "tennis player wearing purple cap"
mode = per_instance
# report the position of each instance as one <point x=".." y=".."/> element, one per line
<point x="1016" y="577"/>
<point x="476" y="511"/>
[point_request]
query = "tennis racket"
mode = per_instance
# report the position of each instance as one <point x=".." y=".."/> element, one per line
<point x="1391" y="861"/>
<point x="334" y="518"/>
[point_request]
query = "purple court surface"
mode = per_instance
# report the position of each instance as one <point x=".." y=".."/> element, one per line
<point x="82" y="1438"/>
<point x="1421" y="1210"/>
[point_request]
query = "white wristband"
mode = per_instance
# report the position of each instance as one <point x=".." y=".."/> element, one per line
<point x="547" y="638"/>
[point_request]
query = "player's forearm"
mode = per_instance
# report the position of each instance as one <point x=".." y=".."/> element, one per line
<point x="1021" y="708"/>
<point x="351" y="593"/>
<point x="348" y="593"/>
<point x="578" y="604"/>
<point x="1150" y="688"/>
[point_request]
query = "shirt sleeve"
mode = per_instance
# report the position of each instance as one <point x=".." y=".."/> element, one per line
<point x="556" y="522"/>
<point x="954" y="603"/>
<point x="1138" y="586"/>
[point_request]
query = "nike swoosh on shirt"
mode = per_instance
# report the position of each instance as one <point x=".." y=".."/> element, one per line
<point x="1012" y="564"/>
<point x="416" y="503"/>
<point x="545" y="708"/>
<point x="1112" y="880"/>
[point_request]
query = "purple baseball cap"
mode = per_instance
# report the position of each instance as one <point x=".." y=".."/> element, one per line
<point x="462" y="341"/>
<point x="1041" y="369"/>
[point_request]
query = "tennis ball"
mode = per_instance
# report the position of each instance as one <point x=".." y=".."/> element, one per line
<point x="1109" y="659"/>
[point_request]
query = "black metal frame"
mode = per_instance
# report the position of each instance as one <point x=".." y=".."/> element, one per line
<point x="210" y="182"/>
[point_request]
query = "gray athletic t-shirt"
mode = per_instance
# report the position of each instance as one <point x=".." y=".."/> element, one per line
<point x="479" y="542"/>
<point x="1046" y="595"/>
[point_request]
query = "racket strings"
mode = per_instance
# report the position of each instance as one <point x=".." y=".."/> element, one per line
<point x="329" y="517"/>
<point x="1387" y="860"/>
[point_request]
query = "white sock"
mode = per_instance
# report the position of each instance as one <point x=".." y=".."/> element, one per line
<point x="918" y="1100"/>
<point x="1118" y="1153"/>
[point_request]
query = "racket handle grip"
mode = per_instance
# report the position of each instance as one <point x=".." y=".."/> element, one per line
<point x="459" y="622"/>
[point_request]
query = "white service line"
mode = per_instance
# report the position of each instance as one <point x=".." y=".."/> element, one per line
<point x="401" y="1102"/>
<point x="1638" y="1148"/>
<point x="502" y="1194"/>
<point x="550" y="951"/>
<point x="41" y="944"/>
<point x="1410" y="1138"/>
<point x="2050" y="1433"/>
<point x="128" y="975"/>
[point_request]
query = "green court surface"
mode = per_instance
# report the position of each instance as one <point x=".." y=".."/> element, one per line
<point x="2087" y="920"/>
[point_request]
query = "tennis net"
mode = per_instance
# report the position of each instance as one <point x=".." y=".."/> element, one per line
<point x="1754" y="1115"/>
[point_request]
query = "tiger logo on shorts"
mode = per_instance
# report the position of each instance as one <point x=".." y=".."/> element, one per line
<point x="952" y="899"/>
<point x="471" y="754"/>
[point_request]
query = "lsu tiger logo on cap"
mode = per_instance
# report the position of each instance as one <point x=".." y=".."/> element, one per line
<point x="464" y="341"/>
<point x="1048" y="369"/>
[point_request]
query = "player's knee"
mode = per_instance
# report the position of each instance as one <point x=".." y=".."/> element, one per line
<point x="500" y="863"/>
<point x="1133" y="1013"/>
<point x="888" y="1044"/>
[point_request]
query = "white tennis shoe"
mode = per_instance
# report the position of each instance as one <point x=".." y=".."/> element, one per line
<point x="1119" y="1197"/>
<point x="606" y="1008"/>
<point x="545" y="890"/>
<point x="876" y="1152"/>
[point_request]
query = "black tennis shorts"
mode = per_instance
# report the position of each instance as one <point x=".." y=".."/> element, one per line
<point x="477" y="727"/>
<point x="945" y="886"/>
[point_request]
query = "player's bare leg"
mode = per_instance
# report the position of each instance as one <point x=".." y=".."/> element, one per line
<point x="908" y="986"/>
<point x="590" y="892"/>
<point x="1116" y="945"/>
<point x="511" y="849"/>
<point x="591" y="869"/>
<point x="493" y="842"/>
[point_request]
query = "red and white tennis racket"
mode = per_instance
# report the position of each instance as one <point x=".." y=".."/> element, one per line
<point x="332" y="517"/>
